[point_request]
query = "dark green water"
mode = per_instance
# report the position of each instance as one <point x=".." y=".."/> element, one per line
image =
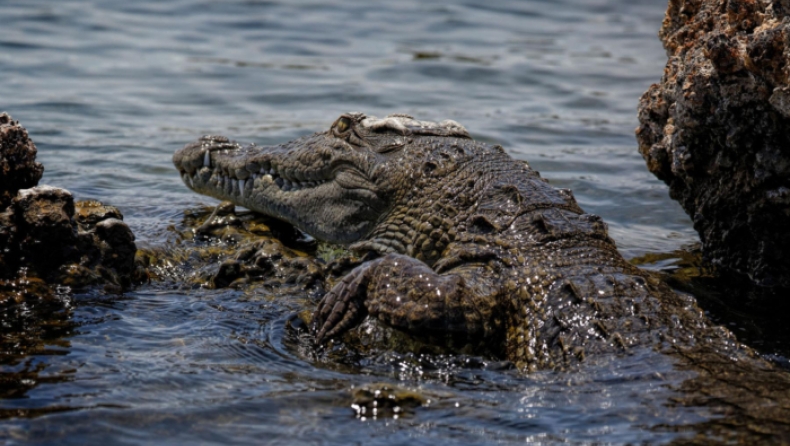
<point x="109" y="90"/>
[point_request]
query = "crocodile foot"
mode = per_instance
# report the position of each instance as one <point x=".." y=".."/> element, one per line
<point x="344" y="305"/>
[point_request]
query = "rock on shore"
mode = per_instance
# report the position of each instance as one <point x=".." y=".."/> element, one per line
<point x="716" y="129"/>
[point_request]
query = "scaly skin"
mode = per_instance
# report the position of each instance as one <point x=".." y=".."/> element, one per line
<point x="474" y="248"/>
<point x="472" y="244"/>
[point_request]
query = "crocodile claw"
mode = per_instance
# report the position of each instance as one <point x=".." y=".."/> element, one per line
<point x="342" y="307"/>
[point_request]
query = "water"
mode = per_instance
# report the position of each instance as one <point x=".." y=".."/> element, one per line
<point x="109" y="90"/>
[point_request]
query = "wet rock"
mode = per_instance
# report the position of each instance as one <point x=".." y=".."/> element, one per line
<point x="220" y="247"/>
<point x="116" y="248"/>
<point x="43" y="239"/>
<point x="50" y="245"/>
<point x="90" y="212"/>
<point x="46" y="233"/>
<point x="46" y="236"/>
<point x="18" y="166"/>
<point x="715" y="130"/>
<point x="33" y="316"/>
<point x="382" y="400"/>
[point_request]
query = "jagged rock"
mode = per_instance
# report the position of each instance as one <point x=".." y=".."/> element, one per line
<point x="48" y="240"/>
<point x="715" y="129"/>
<point x="18" y="166"/>
<point x="43" y="239"/>
<point x="218" y="247"/>
<point x="45" y="235"/>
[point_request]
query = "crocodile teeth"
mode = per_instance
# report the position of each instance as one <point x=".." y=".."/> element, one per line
<point x="241" y="188"/>
<point x="206" y="159"/>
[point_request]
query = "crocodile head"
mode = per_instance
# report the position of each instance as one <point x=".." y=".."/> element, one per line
<point x="334" y="185"/>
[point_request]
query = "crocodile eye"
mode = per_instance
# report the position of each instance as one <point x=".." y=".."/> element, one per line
<point x="342" y="125"/>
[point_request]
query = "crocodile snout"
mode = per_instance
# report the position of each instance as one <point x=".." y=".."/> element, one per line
<point x="198" y="154"/>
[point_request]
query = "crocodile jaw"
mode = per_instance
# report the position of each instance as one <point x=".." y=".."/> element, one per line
<point x="322" y="190"/>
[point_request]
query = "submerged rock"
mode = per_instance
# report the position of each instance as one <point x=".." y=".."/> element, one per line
<point x="382" y="400"/>
<point x="715" y="130"/>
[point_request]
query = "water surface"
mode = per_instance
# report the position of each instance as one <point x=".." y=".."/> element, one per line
<point x="109" y="90"/>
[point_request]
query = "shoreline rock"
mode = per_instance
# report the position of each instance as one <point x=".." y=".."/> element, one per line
<point x="46" y="238"/>
<point x="715" y="130"/>
<point x="18" y="166"/>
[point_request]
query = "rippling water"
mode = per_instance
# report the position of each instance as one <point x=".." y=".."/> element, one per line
<point x="109" y="90"/>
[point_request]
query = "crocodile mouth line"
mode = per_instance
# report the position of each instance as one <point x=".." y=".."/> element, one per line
<point x="240" y="181"/>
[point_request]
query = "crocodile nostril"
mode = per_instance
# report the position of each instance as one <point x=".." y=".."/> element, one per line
<point x="429" y="167"/>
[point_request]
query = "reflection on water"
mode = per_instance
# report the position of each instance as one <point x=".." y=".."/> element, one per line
<point x="109" y="90"/>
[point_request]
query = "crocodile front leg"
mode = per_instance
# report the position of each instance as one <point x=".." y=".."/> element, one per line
<point x="407" y="294"/>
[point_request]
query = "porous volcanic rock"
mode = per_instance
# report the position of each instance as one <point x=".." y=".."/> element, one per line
<point x="46" y="236"/>
<point x="716" y="129"/>
<point x="220" y="247"/>
<point x="18" y="166"/>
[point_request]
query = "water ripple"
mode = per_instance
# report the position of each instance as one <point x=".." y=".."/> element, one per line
<point x="109" y="90"/>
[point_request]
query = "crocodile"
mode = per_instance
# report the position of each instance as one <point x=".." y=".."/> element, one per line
<point x="463" y="244"/>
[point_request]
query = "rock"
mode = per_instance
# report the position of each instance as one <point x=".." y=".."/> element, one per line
<point x="218" y="248"/>
<point x="45" y="240"/>
<point x="49" y="246"/>
<point x="90" y="212"/>
<point x="715" y="130"/>
<point x="18" y="166"/>
<point x="116" y="245"/>
<point x="382" y="400"/>
<point x="46" y="232"/>
<point x="45" y="235"/>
